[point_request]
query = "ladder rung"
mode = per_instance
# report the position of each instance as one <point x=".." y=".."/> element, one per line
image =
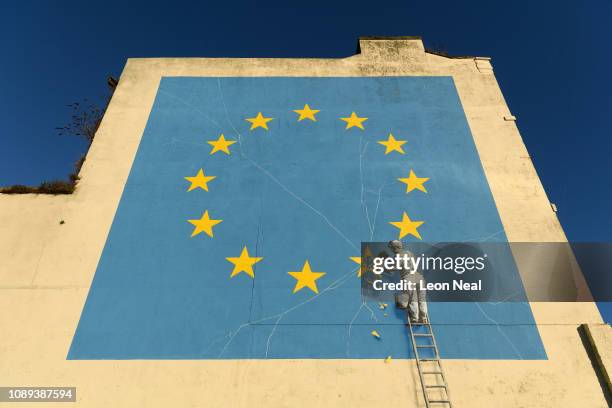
<point x="434" y="358"/>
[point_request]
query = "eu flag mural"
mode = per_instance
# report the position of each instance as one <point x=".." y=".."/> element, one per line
<point x="239" y="229"/>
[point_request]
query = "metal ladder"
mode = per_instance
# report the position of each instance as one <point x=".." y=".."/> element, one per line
<point x="434" y="372"/>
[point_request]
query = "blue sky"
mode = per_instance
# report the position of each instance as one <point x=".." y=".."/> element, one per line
<point x="551" y="59"/>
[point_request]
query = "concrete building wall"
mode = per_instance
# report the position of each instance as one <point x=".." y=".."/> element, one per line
<point x="46" y="267"/>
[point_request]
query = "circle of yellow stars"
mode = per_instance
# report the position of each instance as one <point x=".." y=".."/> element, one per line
<point x="306" y="277"/>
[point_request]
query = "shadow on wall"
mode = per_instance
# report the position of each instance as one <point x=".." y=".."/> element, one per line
<point x="591" y="352"/>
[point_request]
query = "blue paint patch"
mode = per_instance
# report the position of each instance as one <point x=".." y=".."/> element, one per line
<point x="301" y="190"/>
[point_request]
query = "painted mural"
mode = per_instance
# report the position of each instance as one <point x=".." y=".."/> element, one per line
<point x="238" y="233"/>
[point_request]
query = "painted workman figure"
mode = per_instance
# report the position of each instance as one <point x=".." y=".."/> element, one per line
<point x="414" y="300"/>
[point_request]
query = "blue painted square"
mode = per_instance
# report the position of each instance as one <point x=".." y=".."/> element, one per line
<point x="298" y="191"/>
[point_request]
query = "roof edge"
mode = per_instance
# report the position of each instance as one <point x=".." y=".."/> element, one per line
<point x="396" y="38"/>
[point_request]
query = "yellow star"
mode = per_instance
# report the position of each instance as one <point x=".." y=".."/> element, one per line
<point x="200" y="180"/>
<point x="357" y="259"/>
<point x="306" y="278"/>
<point x="204" y="224"/>
<point x="354" y="120"/>
<point x="244" y="263"/>
<point x="307" y="113"/>
<point x="412" y="182"/>
<point x="259" y="121"/>
<point x="407" y="226"/>
<point x="392" y="144"/>
<point x="220" y="145"/>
